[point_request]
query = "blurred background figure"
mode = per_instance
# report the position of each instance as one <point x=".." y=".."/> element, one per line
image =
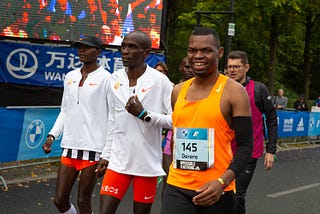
<point x="280" y="101"/>
<point x="106" y="35"/>
<point x="301" y="104"/>
<point x="185" y="69"/>
<point x="317" y="102"/>
<point x="162" y="67"/>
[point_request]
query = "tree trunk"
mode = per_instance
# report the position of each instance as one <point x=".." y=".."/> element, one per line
<point x="306" y="56"/>
<point x="272" y="52"/>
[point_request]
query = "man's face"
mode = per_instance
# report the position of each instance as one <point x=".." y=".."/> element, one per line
<point x="185" y="69"/>
<point x="160" y="69"/>
<point x="88" y="54"/>
<point x="114" y="26"/>
<point x="203" y="54"/>
<point x="133" y="54"/>
<point x="237" y="70"/>
<point x="106" y="35"/>
<point x="280" y="92"/>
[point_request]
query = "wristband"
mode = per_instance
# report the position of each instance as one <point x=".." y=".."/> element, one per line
<point x="141" y="113"/>
<point x="51" y="137"/>
<point x="222" y="183"/>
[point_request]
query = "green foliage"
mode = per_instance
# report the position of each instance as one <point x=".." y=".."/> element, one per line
<point x="253" y="27"/>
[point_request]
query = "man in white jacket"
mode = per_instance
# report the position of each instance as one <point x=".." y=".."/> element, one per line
<point x="83" y="121"/>
<point x="140" y="106"/>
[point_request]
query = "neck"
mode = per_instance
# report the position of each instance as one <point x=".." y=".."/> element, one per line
<point x="88" y="68"/>
<point x="207" y="80"/>
<point x="136" y="72"/>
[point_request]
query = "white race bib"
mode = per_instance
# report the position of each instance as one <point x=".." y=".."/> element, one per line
<point x="193" y="148"/>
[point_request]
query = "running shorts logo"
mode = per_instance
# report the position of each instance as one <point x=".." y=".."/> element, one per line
<point x="110" y="189"/>
<point x="22" y="63"/>
<point x="35" y="134"/>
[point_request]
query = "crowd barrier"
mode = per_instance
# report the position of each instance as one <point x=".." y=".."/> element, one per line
<point x="24" y="130"/>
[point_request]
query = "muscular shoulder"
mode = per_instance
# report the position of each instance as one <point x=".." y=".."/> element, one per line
<point x="234" y="100"/>
<point x="175" y="93"/>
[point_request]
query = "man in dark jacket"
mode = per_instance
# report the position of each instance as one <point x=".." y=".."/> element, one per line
<point x="261" y="103"/>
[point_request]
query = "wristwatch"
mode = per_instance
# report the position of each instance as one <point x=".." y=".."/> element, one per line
<point x="147" y="118"/>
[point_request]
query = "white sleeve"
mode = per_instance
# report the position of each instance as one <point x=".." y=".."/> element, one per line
<point x="57" y="128"/>
<point x="164" y="119"/>
<point x="110" y="127"/>
<point x="58" y="125"/>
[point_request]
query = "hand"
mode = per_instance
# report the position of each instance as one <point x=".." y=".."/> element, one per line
<point x="268" y="161"/>
<point x="101" y="168"/>
<point x="209" y="193"/>
<point x="47" y="145"/>
<point x="134" y="106"/>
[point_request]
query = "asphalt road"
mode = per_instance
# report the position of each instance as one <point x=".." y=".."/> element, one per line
<point x="292" y="186"/>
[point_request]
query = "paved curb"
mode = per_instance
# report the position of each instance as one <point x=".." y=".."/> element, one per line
<point x="28" y="179"/>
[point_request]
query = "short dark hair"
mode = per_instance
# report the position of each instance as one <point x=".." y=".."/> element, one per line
<point x="239" y="55"/>
<point x="144" y="40"/>
<point x="207" y="31"/>
<point x="163" y="65"/>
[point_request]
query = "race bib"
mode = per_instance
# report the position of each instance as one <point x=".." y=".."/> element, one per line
<point x="193" y="148"/>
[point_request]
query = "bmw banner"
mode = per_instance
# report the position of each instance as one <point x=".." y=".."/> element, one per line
<point x="314" y="124"/>
<point x="24" y="130"/>
<point x="47" y="65"/>
<point x="36" y="125"/>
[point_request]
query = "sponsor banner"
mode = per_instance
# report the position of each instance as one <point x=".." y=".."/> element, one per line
<point x="292" y="123"/>
<point x="314" y="124"/>
<point x="47" y="65"/>
<point x="23" y="131"/>
<point x="36" y="125"/>
<point x="11" y="121"/>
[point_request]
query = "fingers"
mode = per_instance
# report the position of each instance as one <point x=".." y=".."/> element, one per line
<point x="209" y="194"/>
<point x="47" y="147"/>
<point x="134" y="106"/>
<point x="100" y="170"/>
<point x="268" y="161"/>
<point x="46" y="150"/>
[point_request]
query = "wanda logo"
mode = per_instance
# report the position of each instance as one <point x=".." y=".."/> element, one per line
<point x="22" y="63"/>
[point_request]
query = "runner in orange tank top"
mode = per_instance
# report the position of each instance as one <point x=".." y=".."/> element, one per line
<point x="209" y="110"/>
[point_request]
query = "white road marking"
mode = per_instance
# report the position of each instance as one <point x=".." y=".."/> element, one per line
<point x="289" y="191"/>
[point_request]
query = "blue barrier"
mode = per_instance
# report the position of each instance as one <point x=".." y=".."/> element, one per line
<point x="298" y="123"/>
<point x="24" y="130"/>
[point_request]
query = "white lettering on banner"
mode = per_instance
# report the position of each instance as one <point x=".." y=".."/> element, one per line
<point x="53" y="76"/>
<point x="56" y="56"/>
<point x="74" y="61"/>
<point x="104" y="61"/>
<point x="300" y="127"/>
<point x="117" y="63"/>
<point x="22" y="70"/>
<point x="288" y="125"/>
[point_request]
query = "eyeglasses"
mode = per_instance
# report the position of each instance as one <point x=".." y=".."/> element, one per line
<point x="234" y="67"/>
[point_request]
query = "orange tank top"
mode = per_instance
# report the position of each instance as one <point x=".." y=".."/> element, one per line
<point x="206" y="114"/>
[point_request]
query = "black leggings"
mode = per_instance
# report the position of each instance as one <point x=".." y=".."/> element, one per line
<point x="178" y="200"/>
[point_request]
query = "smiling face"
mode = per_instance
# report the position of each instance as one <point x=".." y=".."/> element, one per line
<point x="203" y="54"/>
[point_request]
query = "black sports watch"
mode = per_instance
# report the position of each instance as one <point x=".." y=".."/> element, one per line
<point x="147" y="118"/>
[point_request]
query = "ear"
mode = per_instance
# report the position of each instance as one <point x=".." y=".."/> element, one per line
<point x="220" y="52"/>
<point x="247" y="67"/>
<point x="147" y="52"/>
